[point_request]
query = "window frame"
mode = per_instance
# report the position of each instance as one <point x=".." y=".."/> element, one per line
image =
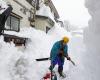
<point x="10" y="26"/>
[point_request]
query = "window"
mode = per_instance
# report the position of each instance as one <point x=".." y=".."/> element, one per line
<point x="12" y="23"/>
<point x="47" y="29"/>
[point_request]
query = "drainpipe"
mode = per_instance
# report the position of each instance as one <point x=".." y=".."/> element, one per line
<point x="37" y="5"/>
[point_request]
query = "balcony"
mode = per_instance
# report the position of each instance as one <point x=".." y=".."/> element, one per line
<point x="18" y="41"/>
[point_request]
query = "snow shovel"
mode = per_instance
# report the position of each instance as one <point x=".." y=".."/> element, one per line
<point x="73" y="62"/>
<point x="43" y="59"/>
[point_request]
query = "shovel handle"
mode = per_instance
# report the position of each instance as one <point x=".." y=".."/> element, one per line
<point x="72" y="62"/>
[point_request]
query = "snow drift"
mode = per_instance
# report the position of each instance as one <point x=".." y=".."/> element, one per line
<point x="93" y="31"/>
<point x="45" y="11"/>
<point x="20" y="64"/>
<point x="92" y="39"/>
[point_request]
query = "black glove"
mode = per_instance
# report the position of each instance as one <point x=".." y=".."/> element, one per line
<point x="61" y="53"/>
<point x="68" y="58"/>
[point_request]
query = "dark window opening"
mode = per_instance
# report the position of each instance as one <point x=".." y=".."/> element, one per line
<point x="47" y="29"/>
<point x="18" y="41"/>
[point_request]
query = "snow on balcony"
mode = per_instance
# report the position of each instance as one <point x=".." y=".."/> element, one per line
<point x="45" y="11"/>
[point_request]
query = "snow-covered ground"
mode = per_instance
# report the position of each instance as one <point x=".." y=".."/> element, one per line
<point x="19" y="64"/>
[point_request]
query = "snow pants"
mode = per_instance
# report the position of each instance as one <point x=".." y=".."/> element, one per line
<point x="60" y="61"/>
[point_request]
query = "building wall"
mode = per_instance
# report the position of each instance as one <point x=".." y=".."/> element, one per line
<point x="42" y="24"/>
<point x="16" y="9"/>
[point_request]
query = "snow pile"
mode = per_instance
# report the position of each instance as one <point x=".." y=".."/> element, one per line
<point x="58" y="32"/>
<point x="3" y="4"/>
<point x="20" y="64"/>
<point x="92" y="33"/>
<point x="7" y="52"/>
<point x="76" y="51"/>
<point x="45" y="11"/>
<point x="92" y="39"/>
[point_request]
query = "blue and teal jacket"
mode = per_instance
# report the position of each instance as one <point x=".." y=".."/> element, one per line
<point x="56" y="48"/>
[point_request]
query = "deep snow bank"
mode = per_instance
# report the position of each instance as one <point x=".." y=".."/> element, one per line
<point x="92" y="33"/>
<point x="7" y="52"/>
<point x="45" y="11"/>
<point x="20" y="64"/>
<point x="92" y="39"/>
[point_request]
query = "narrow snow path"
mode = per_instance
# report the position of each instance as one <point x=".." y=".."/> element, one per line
<point x="76" y="51"/>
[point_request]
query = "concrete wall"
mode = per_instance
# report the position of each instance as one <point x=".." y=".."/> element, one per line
<point x="42" y="24"/>
<point x="16" y="9"/>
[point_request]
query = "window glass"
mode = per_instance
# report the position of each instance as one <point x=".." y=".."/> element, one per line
<point x="12" y="23"/>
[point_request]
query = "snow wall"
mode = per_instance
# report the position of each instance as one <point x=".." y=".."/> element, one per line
<point x="92" y="33"/>
<point x="92" y="39"/>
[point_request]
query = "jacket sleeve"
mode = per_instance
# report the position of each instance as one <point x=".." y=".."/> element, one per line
<point x="66" y="50"/>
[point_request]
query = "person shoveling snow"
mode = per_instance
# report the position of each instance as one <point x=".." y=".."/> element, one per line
<point x="58" y="53"/>
<point x="57" y="56"/>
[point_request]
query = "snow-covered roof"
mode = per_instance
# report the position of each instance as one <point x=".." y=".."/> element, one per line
<point x="46" y="10"/>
